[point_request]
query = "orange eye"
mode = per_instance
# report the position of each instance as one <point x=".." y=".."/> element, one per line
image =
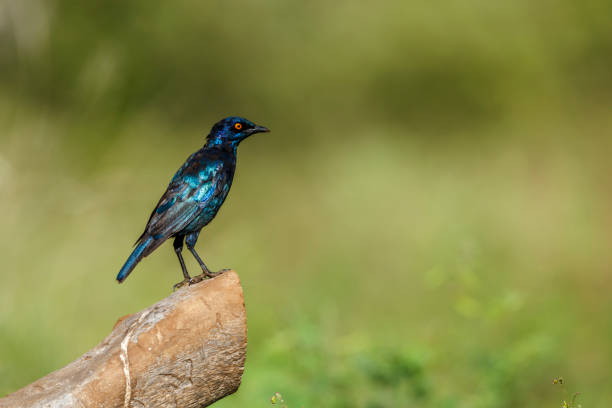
<point x="238" y="126"/>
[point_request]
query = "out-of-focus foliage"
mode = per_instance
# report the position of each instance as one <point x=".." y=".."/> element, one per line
<point x="399" y="63"/>
<point x="428" y="224"/>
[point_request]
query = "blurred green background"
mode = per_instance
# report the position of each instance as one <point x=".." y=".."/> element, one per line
<point x="428" y="224"/>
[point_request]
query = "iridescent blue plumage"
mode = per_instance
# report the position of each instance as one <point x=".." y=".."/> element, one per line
<point x="194" y="195"/>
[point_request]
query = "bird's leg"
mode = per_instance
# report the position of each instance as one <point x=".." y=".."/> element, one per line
<point x="205" y="270"/>
<point x="191" y="241"/>
<point x="178" y="248"/>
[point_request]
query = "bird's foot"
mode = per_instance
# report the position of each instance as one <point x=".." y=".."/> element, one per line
<point x="187" y="281"/>
<point x="209" y="274"/>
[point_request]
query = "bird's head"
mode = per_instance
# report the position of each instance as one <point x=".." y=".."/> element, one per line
<point x="232" y="130"/>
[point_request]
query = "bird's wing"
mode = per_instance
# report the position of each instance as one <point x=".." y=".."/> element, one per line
<point x="183" y="201"/>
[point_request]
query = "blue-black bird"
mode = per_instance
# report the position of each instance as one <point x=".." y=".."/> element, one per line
<point x="194" y="195"/>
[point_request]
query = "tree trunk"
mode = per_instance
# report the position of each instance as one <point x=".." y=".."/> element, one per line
<point x="187" y="350"/>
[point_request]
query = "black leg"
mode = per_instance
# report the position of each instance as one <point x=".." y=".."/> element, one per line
<point x="178" y="248"/>
<point x="191" y="241"/>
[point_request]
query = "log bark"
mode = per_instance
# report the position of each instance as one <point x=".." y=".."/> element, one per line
<point x="187" y="350"/>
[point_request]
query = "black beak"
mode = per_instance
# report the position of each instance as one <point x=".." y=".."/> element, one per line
<point x="258" y="129"/>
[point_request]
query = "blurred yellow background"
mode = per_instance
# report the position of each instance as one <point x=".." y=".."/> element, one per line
<point x="428" y="224"/>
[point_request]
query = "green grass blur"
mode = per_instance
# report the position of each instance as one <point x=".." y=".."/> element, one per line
<point x="428" y="224"/>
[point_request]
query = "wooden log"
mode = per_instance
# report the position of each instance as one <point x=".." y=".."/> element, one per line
<point x="187" y="350"/>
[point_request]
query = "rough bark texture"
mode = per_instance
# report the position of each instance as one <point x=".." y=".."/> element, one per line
<point x="187" y="350"/>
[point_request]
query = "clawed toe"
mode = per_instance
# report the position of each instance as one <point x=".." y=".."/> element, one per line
<point x="197" y="279"/>
<point x="181" y="284"/>
<point x="187" y="281"/>
<point x="210" y="274"/>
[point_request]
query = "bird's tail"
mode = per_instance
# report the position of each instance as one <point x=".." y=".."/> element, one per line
<point x="144" y="248"/>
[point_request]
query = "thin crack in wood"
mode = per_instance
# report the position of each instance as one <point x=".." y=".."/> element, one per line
<point x="123" y="355"/>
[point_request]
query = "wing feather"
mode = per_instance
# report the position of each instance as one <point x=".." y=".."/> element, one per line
<point x="183" y="201"/>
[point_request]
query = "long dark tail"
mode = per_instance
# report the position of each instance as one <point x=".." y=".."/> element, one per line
<point x="142" y="249"/>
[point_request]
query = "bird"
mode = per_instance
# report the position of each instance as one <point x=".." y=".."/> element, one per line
<point x="193" y="197"/>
